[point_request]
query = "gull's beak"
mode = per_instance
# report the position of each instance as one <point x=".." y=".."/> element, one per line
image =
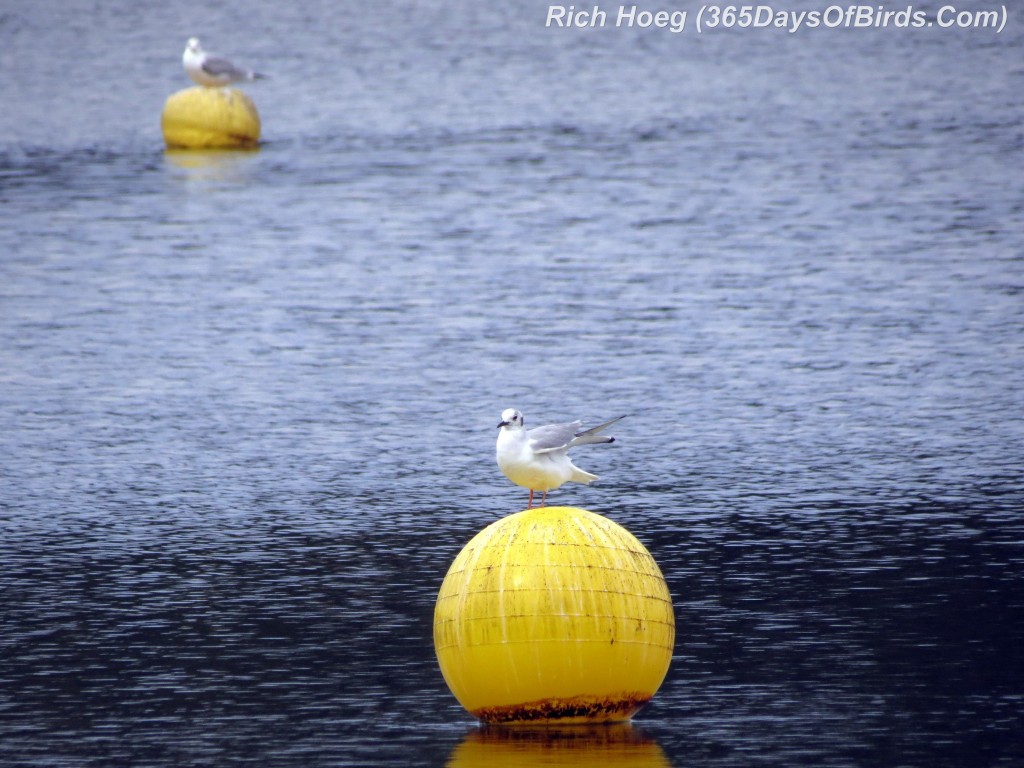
<point x="503" y="424"/>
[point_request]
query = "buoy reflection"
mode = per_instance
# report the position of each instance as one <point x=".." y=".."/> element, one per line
<point x="212" y="164"/>
<point x="609" y="746"/>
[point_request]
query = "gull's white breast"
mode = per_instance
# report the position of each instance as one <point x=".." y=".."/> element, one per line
<point x="523" y="467"/>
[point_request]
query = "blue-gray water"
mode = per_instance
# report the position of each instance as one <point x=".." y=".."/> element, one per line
<point x="248" y="401"/>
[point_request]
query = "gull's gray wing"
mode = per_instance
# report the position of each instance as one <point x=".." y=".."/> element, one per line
<point x="552" y="437"/>
<point x="218" y="67"/>
<point x="588" y="436"/>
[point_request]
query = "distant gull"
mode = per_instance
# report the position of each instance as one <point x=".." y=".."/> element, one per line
<point x="538" y="459"/>
<point x="212" y="71"/>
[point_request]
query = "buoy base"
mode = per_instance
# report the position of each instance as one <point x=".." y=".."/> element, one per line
<point x="210" y="118"/>
<point x="572" y="711"/>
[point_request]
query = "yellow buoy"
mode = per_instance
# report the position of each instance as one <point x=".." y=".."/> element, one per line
<point x="210" y="118"/>
<point x="554" y="614"/>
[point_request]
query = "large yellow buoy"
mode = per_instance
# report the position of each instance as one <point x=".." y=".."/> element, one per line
<point x="554" y="614"/>
<point x="210" y="118"/>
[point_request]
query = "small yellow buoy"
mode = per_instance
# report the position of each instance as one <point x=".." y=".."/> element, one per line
<point x="209" y="118"/>
<point x="554" y="614"/>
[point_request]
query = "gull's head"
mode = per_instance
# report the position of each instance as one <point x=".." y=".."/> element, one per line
<point x="193" y="45"/>
<point x="510" y="417"/>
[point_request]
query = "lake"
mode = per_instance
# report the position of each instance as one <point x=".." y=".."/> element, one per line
<point x="248" y="400"/>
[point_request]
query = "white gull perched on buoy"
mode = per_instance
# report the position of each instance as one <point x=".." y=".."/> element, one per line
<point x="213" y="71"/>
<point x="538" y="459"/>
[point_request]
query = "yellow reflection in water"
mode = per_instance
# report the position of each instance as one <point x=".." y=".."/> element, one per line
<point x="608" y="746"/>
<point x="212" y="164"/>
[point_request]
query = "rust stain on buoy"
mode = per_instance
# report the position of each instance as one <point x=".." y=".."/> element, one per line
<point x="585" y="709"/>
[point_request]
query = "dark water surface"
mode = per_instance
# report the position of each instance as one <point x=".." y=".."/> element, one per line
<point x="247" y="401"/>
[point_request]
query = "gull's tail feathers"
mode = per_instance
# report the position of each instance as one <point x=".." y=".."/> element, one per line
<point x="579" y="476"/>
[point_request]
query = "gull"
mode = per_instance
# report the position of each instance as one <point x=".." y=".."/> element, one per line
<point x="212" y="71"/>
<point x="538" y="459"/>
